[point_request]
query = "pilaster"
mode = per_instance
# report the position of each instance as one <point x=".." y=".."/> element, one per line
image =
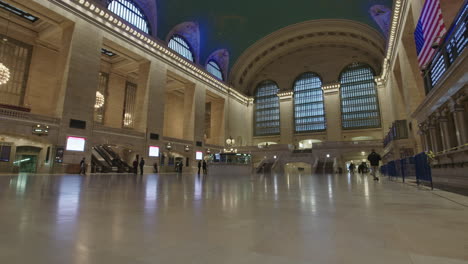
<point x="286" y="117"/>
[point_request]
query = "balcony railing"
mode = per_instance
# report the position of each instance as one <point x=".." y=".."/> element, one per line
<point x="451" y="48"/>
<point x="399" y="130"/>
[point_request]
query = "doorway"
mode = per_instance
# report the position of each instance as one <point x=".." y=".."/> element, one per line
<point x="27" y="159"/>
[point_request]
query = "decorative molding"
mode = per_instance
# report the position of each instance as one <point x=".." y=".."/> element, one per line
<point x="110" y="21"/>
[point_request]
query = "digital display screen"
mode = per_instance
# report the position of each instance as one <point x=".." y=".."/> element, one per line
<point x="199" y="155"/>
<point x="76" y="143"/>
<point x="153" y="151"/>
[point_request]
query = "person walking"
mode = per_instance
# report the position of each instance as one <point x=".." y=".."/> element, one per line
<point x="199" y="166"/>
<point x="181" y="166"/>
<point x="155" y="166"/>
<point x="135" y="167"/>
<point x="83" y="166"/>
<point x="142" y="165"/>
<point x="204" y="167"/>
<point x="351" y="168"/>
<point x="374" y="160"/>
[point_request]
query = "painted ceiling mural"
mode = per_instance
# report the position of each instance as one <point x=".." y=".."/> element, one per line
<point x="235" y="25"/>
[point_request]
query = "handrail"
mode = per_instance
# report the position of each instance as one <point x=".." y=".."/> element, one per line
<point x="454" y="43"/>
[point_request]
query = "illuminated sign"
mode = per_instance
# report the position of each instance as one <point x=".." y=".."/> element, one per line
<point x="153" y="151"/>
<point x="199" y="155"/>
<point x="76" y="143"/>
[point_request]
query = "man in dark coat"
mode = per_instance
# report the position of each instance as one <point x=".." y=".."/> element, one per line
<point x="199" y="166"/>
<point x="374" y="160"/>
<point x="204" y="167"/>
<point x="142" y="165"/>
<point x="83" y="166"/>
<point x="135" y="166"/>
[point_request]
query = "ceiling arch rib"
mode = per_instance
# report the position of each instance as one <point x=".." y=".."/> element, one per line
<point x="318" y="38"/>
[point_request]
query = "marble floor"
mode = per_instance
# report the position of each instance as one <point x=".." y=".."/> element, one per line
<point x="228" y="219"/>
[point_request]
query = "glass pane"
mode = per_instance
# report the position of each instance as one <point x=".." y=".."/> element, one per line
<point x="180" y="46"/>
<point x="309" y="112"/>
<point x="213" y="68"/>
<point x="267" y="112"/>
<point x="127" y="10"/>
<point x="359" y="103"/>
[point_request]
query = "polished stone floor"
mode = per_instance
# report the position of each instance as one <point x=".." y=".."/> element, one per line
<point x="227" y="219"/>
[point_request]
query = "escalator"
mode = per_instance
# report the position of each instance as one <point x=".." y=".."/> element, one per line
<point x="116" y="160"/>
<point x="104" y="158"/>
<point x="98" y="164"/>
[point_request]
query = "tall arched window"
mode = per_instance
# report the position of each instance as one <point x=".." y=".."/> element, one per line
<point x="267" y="111"/>
<point x="179" y="45"/>
<point x="359" y="101"/>
<point x="309" y="110"/>
<point x="131" y="13"/>
<point x="213" y="68"/>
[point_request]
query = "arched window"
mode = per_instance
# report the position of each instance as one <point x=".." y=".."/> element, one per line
<point x="359" y="101"/>
<point x="130" y="12"/>
<point x="179" y="45"/>
<point x="309" y="111"/>
<point x="213" y="68"/>
<point x="267" y="111"/>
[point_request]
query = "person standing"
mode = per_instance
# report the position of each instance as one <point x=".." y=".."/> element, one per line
<point x="142" y="165"/>
<point x="181" y="166"/>
<point x="135" y="167"/>
<point x="199" y="166"/>
<point x="204" y="167"/>
<point x="83" y="166"/>
<point x="352" y="167"/>
<point x="155" y="166"/>
<point x="374" y="160"/>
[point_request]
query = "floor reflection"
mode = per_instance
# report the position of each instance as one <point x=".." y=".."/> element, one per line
<point x="83" y="219"/>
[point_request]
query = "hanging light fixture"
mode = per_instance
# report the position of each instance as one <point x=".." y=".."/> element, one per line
<point x="4" y="74"/>
<point x="4" y="71"/>
<point x="100" y="100"/>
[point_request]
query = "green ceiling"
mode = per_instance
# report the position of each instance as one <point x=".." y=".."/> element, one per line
<point x="236" y="25"/>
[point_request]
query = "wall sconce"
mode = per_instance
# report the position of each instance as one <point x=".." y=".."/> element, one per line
<point x="208" y="151"/>
<point x="168" y="146"/>
<point x="187" y="148"/>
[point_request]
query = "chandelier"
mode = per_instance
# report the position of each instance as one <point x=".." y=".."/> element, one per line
<point x="4" y="74"/>
<point x="128" y="119"/>
<point x="99" y="100"/>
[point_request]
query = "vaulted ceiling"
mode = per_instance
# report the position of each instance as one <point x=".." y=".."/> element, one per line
<point x="236" y="25"/>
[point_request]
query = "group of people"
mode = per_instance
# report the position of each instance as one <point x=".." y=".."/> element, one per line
<point x="135" y="166"/>
<point x="374" y="159"/>
<point x="202" y="165"/>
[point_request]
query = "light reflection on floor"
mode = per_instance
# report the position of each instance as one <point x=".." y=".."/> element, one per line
<point x="170" y="218"/>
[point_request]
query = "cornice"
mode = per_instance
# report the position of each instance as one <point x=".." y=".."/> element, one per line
<point x="112" y="23"/>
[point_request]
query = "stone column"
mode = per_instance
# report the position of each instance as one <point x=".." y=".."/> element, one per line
<point x="286" y="117"/>
<point x="459" y="118"/>
<point x="444" y="130"/>
<point x="79" y="85"/>
<point x="189" y="112"/>
<point x="156" y="101"/>
<point x="199" y="115"/>
<point x="422" y="135"/>
<point x="434" y="134"/>
<point x="331" y="97"/>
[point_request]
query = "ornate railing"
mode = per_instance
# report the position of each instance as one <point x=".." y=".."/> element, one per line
<point x="399" y="130"/>
<point x="452" y="47"/>
<point x="26" y="116"/>
<point x="117" y="131"/>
